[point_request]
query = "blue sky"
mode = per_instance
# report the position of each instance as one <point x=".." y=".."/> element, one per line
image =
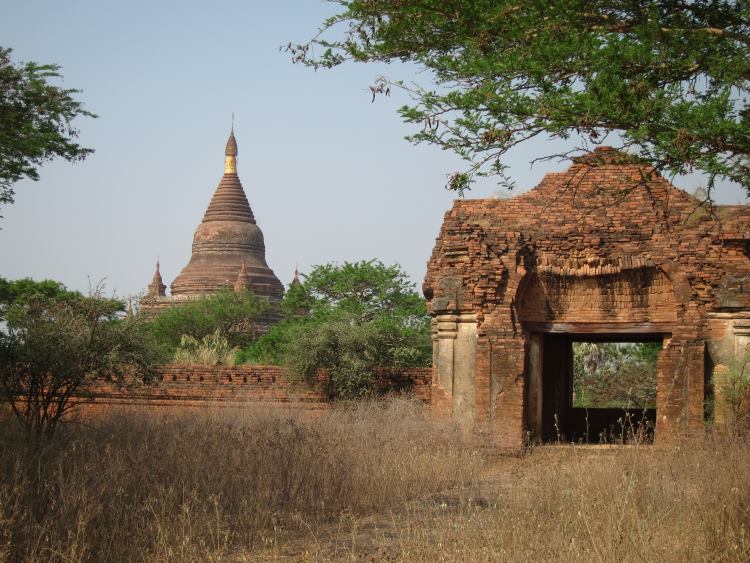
<point x="327" y="172"/>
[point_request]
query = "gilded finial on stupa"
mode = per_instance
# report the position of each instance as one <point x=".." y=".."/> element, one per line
<point x="230" y="159"/>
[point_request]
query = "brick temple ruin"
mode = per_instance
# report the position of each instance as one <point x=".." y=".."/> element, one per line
<point x="608" y="250"/>
<point x="228" y="252"/>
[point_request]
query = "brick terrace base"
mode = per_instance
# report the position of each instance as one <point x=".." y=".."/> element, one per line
<point x="234" y="386"/>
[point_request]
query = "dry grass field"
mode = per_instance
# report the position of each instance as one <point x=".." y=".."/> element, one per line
<point x="377" y="481"/>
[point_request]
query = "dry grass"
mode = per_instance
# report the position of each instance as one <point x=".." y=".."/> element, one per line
<point x="198" y="487"/>
<point x="574" y="503"/>
<point x="378" y="481"/>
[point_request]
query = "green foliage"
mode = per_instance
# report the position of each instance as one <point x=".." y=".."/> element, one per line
<point x="615" y="374"/>
<point x="53" y="350"/>
<point x="348" y="319"/>
<point x="19" y="292"/>
<point x="35" y="121"/>
<point x="349" y="352"/>
<point x="227" y="311"/>
<point x="669" y="76"/>
<point x="362" y="291"/>
<point x="269" y="348"/>
<point x="210" y="350"/>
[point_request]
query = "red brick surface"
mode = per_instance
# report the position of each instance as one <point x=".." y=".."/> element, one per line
<point x="193" y="385"/>
<point x="607" y="246"/>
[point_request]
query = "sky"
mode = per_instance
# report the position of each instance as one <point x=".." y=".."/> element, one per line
<point x="327" y="172"/>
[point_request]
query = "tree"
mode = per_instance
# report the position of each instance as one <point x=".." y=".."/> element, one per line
<point x="54" y="350"/>
<point x="670" y="77"/>
<point x="229" y="312"/>
<point x="19" y="292"/>
<point x="35" y="121"/>
<point x="349" y="319"/>
<point x="609" y="375"/>
<point x="362" y="291"/>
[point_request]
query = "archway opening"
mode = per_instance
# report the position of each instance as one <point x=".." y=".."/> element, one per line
<point x="592" y="388"/>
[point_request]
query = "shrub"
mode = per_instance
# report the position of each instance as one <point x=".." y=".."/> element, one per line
<point x="227" y="311"/>
<point x="211" y="350"/>
<point x="53" y="350"/>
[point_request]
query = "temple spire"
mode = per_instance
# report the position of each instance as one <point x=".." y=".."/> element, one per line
<point x="295" y="279"/>
<point x="157" y="288"/>
<point x="230" y="154"/>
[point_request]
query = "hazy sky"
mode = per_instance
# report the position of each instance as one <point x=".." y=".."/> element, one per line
<point x="328" y="174"/>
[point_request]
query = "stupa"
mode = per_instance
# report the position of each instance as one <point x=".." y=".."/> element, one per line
<point x="228" y="250"/>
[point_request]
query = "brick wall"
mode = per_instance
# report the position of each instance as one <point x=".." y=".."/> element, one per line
<point x="198" y="386"/>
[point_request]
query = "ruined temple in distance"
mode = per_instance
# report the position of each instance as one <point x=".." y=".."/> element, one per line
<point x="228" y="252"/>
<point x="608" y="250"/>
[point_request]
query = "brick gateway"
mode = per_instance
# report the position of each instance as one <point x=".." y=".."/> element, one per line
<point x="608" y="249"/>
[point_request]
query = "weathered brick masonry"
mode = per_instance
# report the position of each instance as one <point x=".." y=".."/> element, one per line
<point x="229" y="252"/>
<point x="606" y="249"/>
<point x="200" y="386"/>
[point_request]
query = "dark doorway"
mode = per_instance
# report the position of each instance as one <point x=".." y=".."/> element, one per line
<point x="592" y="388"/>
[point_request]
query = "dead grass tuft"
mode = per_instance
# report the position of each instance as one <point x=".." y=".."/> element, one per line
<point x="378" y="480"/>
<point x="197" y="487"/>
<point x="579" y="503"/>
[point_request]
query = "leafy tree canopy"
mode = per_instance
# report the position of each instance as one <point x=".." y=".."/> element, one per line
<point x="229" y="312"/>
<point x="53" y="350"/>
<point x="19" y="292"/>
<point x="609" y="375"/>
<point x="349" y="319"/>
<point x="669" y="76"/>
<point x="35" y="121"/>
<point x="362" y="290"/>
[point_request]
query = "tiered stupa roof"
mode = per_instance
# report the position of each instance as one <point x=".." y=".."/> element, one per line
<point x="228" y="245"/>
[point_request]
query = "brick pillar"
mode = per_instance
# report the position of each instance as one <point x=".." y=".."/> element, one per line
<point x="507" y="391"/>
<point x="680" y="390"/>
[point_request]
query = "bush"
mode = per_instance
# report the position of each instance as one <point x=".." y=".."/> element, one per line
<point x="55" y="349"/>
<point x="350" y="353"/>
<point x="229" y="312"/>
<point x="348" y="319"/>
<point x="211" y="350"/>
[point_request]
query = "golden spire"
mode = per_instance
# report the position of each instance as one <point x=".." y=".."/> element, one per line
<point x="230" y="159"/>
